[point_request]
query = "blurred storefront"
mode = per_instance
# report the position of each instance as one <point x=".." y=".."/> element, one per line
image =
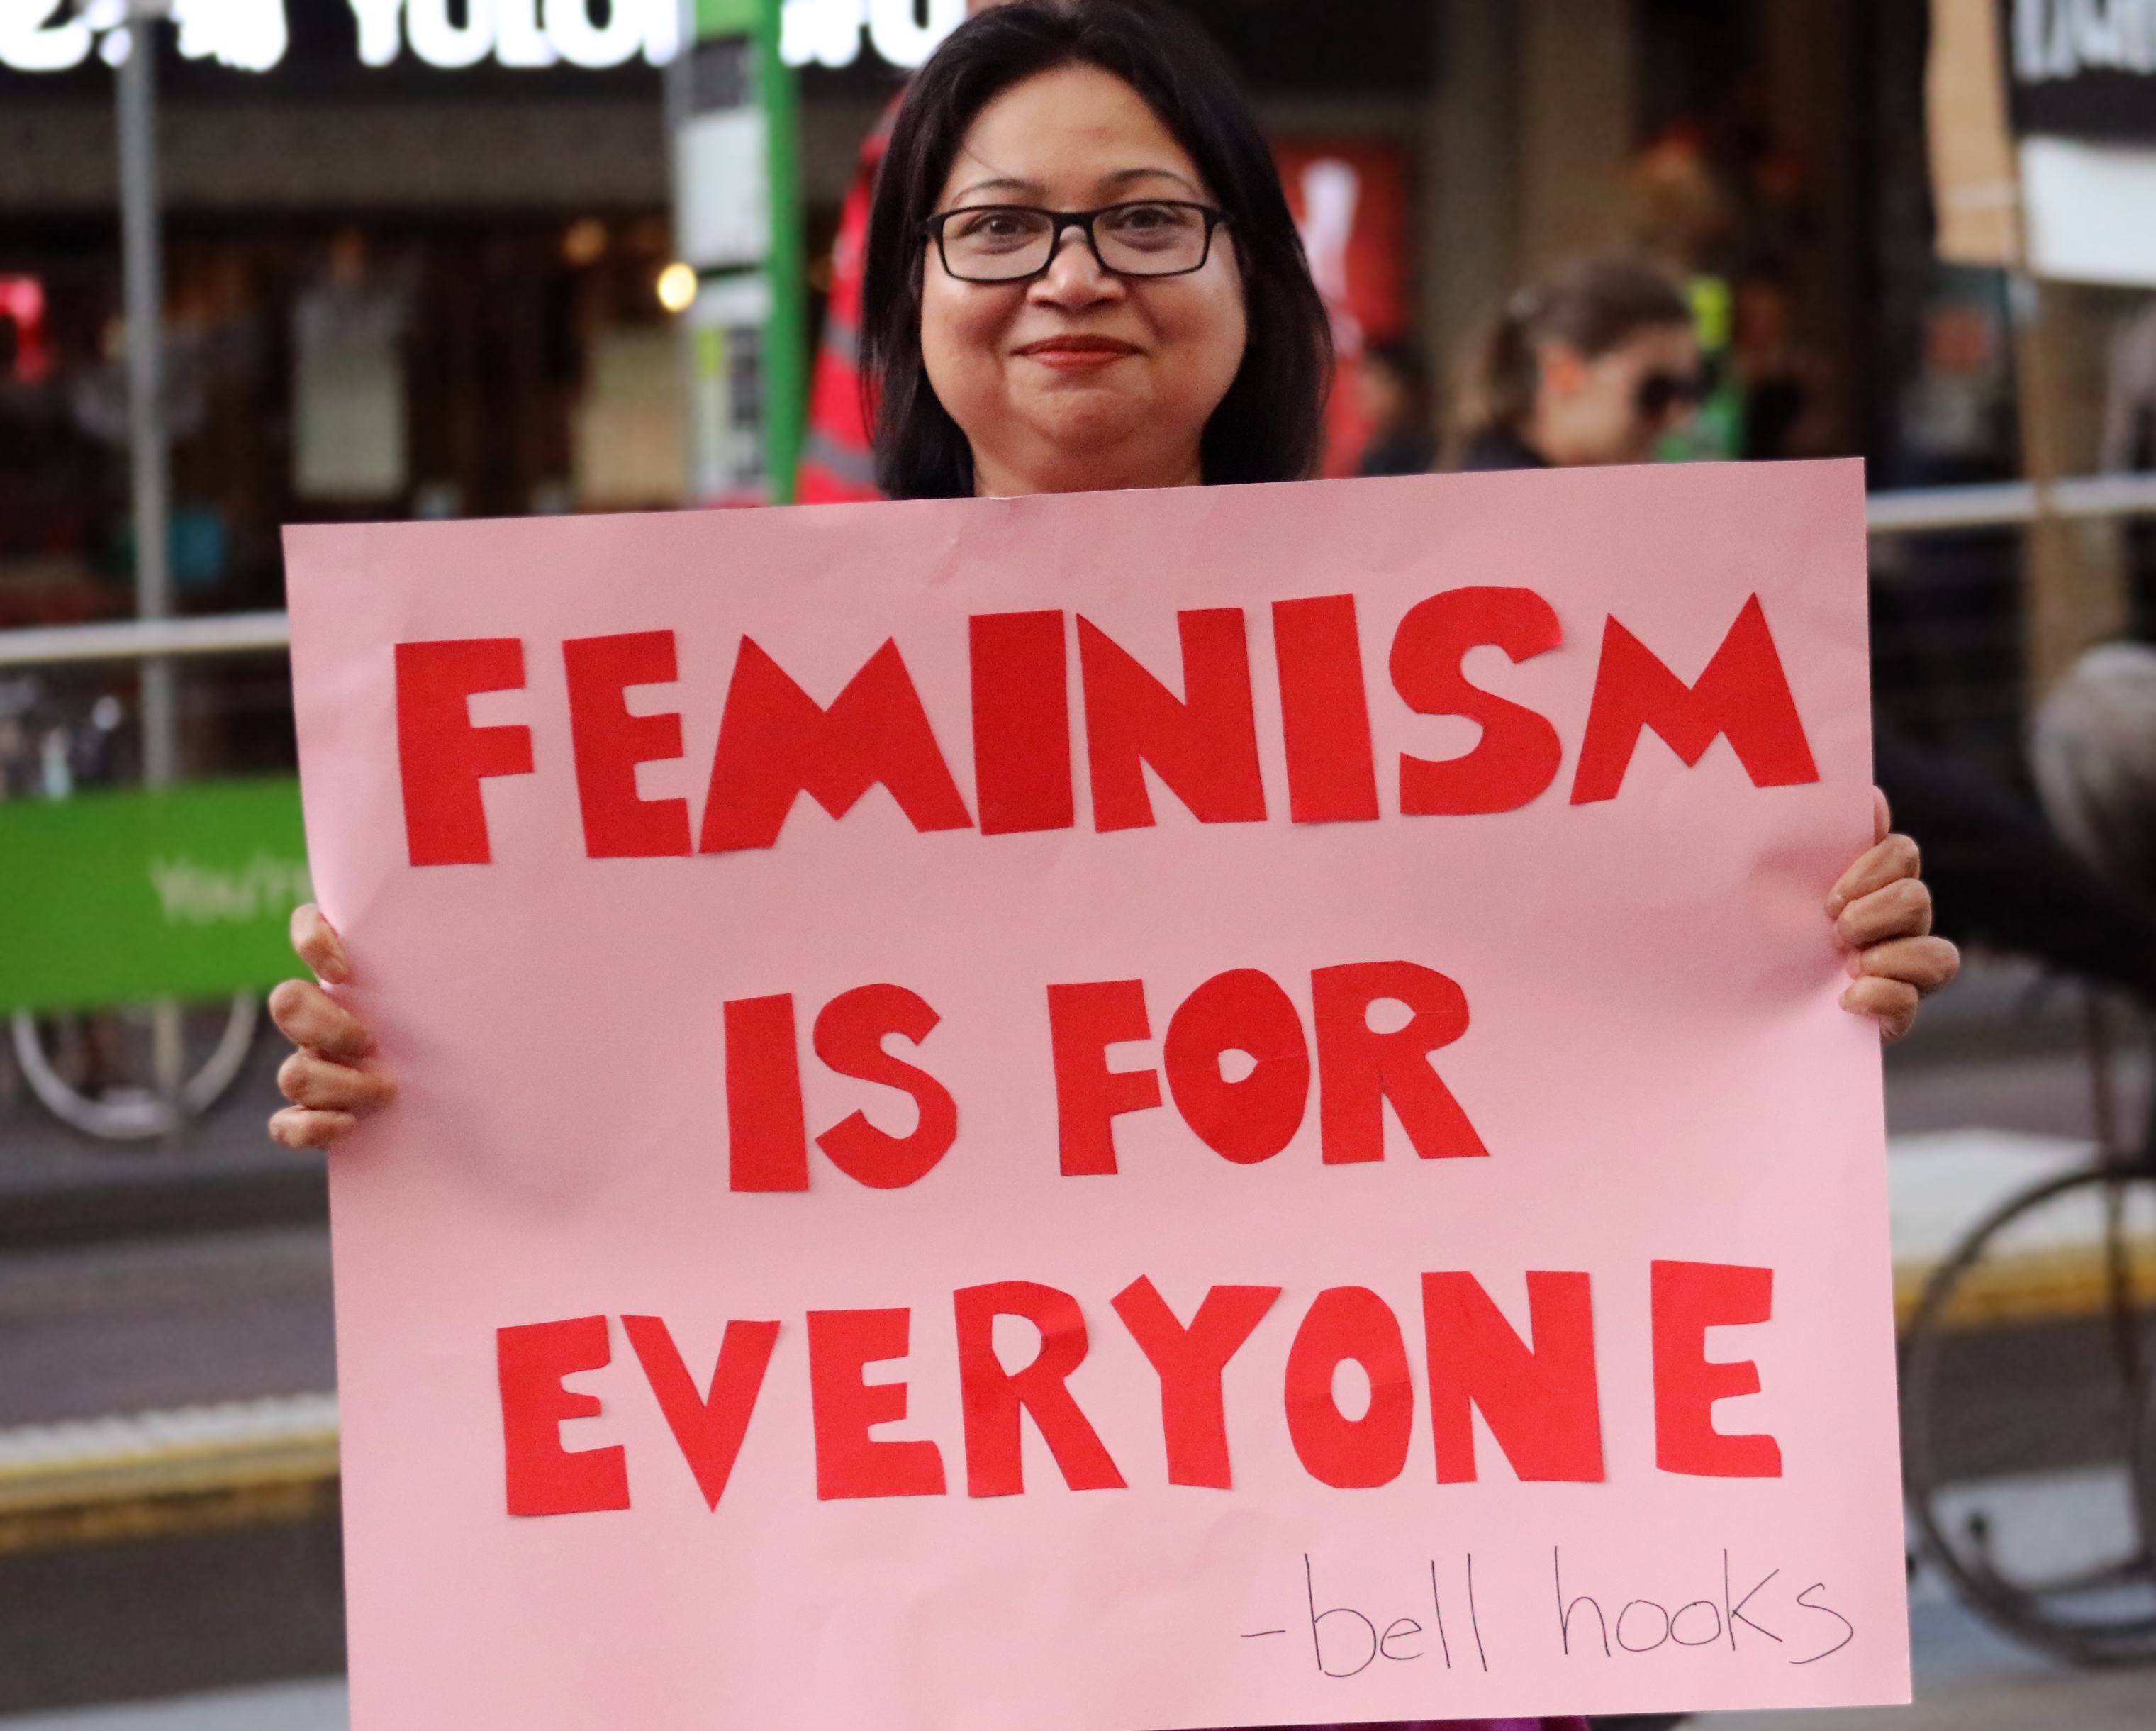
<point x="412" y="265"/>
<point x="416" y="288"/>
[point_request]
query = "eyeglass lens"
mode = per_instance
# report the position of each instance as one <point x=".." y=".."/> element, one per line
<point x="1001" y="242"/>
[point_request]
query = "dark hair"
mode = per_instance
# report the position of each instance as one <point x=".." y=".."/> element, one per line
<point x="1592" y="305"/>
<point x="1268" y="425"/>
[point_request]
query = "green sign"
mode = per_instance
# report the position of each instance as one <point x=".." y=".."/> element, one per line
<point x="120" y="897"/>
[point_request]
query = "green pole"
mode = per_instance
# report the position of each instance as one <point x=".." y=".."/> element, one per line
<point x="737" y="223"/>
<point x="785" y="365"/>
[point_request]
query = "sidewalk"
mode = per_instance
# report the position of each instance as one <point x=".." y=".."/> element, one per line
<point x="60" y="1187"/>
<point x="1967" y="1679"/>
<point x="273" y="1707"/>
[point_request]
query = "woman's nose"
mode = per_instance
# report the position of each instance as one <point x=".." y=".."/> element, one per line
<point x="1074" y="273"/>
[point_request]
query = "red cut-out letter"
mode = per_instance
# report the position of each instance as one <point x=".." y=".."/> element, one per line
<point x="766" y="1127"/>
<point x="441" y="757"/>
<point x="775" y="741"/>
<point x="543" y="1477"/>
<point x="849" y="1037"/>
<point x="1519" y="751"/>
<point x="1358" y="1069"/>
<point x="1350" y="1453"/>
<point x="993" y="1396"/>
<point x="1084" y="1020"/>
<point x="1205" y="747"/>
<point x="1021" y="723"/>
<point x="1690" y="1298"/>
<point x="1540" y="1400"/>
<point x="1242" y="1010"/>
<point x="709" y="1427"/>
<point x="1744" y="694"/>
<point x="610" y="743"/>
<point x="1188" y="1361"/>
<point x="1325" y="715"/>
<point x="849" y="1462"/>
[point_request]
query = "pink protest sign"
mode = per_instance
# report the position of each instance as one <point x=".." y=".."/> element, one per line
<point x="1218" y="1107"/>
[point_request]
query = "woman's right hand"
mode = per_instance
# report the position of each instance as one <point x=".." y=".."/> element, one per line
<point x="329" y="1081"/>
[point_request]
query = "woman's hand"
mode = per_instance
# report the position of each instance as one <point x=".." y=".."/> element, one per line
<point x="1882" y="915"/>
<point x="327" y="1080"/>
<point x="1881" y="909"/>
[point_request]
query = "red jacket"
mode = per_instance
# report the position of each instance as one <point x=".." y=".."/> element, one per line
<point x="836" y="461"/>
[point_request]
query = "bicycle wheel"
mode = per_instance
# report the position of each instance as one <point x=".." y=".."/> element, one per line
<point x="2026" y="1390"/>
<point x="102" y="1087"/>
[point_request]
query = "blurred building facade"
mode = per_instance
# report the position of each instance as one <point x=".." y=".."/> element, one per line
<point x="413" y="287"/>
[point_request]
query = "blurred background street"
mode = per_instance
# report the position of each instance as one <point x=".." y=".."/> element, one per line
<point x="343" y="261"/>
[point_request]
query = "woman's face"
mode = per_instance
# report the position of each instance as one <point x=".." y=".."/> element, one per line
<point x="1613" y="407"/>
<point x="1080" y="379"/>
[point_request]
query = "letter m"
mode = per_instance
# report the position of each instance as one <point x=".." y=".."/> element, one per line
<point x="1744" y="694"/>
<point x="775" y="741"/>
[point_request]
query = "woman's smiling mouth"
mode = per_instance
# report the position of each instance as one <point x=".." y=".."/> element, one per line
<point x="1074" y="352"/>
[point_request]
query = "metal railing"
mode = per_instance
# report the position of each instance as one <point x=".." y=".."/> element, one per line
<point x="2008" y="502"/>
<point x="137" y="639"/>
<point x="1913" y="512"/>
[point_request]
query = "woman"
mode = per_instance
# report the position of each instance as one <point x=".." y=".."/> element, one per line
<point x="1166" y="334"/>
<point x="1592" y="365"/>
<point x="1082" y="275"/>
<point x="1176" y="338"/>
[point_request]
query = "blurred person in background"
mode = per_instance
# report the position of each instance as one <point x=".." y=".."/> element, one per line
<point x="2087" y="908"/>
<point x="836" y="463"/>
<point x="2093" y="754"/>
<point x="1394" y="385"/>
<point x="1594" y="364"/>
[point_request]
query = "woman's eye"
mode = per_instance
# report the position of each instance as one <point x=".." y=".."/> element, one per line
<point x="1148" y="222"/>
<point x="995" y="227"/>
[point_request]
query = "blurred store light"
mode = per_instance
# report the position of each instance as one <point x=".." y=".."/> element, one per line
<point x="247" y="34"/>
<point x="440" y="41"/>
<point x="582" y="43"/>
<point x="584" y="242"/>
<point x="41" y="36"/>
<point x="253" y="35"/>
<point x="677" y="287"/>
<point x="381" y="32"/>
<point x="518" y="32"/>
<point x="828" y="32"/>
<point x="2061" y="39"/>
<point x="22" y="305"/>
<point x="48" y="36"/>
<point x="519" y="35"/>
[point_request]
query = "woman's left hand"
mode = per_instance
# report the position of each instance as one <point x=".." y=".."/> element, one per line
<point x="1882" y="916"/>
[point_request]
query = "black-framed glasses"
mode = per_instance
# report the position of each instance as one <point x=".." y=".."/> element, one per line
<point x="1015" y="243"/>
